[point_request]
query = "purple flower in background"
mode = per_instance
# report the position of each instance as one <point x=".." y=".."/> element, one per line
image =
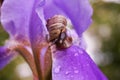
<point x="25" y="21"/>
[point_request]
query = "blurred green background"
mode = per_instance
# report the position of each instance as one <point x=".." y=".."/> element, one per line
<point x="105" y="33"/>
<point x="107" y="16"/>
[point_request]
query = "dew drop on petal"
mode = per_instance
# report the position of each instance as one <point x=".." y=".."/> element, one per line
<point x="80" y="51"/>
<point x="67" y="72"/>
<point x="76" y="54"/>
<point x="76" y="71"/>
<point x="71" y="76"/>
<point x="57" y="69"/>
<point x="85" y="65"/>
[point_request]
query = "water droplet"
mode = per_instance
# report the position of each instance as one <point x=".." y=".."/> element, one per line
<point x="85" y="65"/>
<point x="57" y="69"/>
<point x="76" y="71"/>
<point x="71" y="76"/>
<point x="76" y="54"/>
<point x="67" y="72"/>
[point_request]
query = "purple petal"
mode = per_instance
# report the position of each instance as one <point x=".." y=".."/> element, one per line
<point x="5" y="57"/>
<point x="75" y="64"/>
<point x="45" y="10"/>
<point x="50" y="9"/>
<point x="79" y="12"/>
<point x="15" y="16"/>
<point x="36" y="29"/>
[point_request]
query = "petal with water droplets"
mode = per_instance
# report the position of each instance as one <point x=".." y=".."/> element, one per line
<point x="75" y="64"/>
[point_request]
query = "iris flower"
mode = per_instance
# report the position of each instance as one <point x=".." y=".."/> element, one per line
<point x="25" y="22"/>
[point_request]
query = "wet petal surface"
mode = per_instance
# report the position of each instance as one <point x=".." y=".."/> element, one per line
<point x="75" y="64"/>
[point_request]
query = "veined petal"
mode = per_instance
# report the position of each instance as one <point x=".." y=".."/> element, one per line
<point x="15" y="16"/>
<point x="79" y="12"/>
<point x="5" y="56"/>
<point x="75" y="64"/>
<point x="36" y="29"/>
